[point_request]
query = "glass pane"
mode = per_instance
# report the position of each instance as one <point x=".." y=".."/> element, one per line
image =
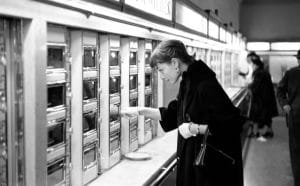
<point x="55" y="173"/>
<point x="113" y="112"/>
<point x="133" y="102"/>
<point x="148" y="100"/>
<point x="89" y="157"/>
<point x="56" y="134"/>
<point x="132" y="59"/>
<point x="133" y="82"/>
<point x="55" y="57"/>
<point x="147" y="57"/>
<point x="148" y="80"/>
<point x="89" y="89"/>
<point x="89" y="122"/>
<point x="114" y="85"/>
<point x="114" y="58"/>
<point x="89" y="57"/>
<point x="56" y="95"/>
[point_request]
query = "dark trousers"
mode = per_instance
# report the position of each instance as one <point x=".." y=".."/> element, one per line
<point x="294" y="144"/>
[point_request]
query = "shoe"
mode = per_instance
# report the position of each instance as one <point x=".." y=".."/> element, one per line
<point x="261" y="139"/>
<point x="268" y="134"/>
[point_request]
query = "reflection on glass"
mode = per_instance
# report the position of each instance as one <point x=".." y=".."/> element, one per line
<point x="114" y="84"/>
<point x="56" y="95"/>
<point x="114" y="112"/>
<point x="133" y="102"/>
<point x="148" y="100"/>
<point x="147" y="57"/>
<point x="89" y="122"/>
<point x="89" y="156"/>
<point x="89" y="89"/>
<point x="147" y="80"/>
<point x="55" y="173"/>
<point x="56" y="134"/>
<point x="133" y="82"/>
<point x="114" y="58"/>
<point x="132" y="58"/>
<point x="89" y="57"/>
<point x="55" y="58"/>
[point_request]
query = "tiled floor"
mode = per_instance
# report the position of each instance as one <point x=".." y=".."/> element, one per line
<point x="268" y="163"/>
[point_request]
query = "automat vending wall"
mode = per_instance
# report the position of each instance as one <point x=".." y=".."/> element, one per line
<point x="110" y="101"/>
<point x="12" y="164"/>
<point x="91" y="106"/>
<point x="58" y="75"/>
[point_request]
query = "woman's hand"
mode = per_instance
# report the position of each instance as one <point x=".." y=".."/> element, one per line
<point x="129" y="111"/>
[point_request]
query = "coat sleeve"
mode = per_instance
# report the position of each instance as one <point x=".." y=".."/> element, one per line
<point x="224" y="117"/>
<point x="169" y="116"/>
<point x="282" y="90"/>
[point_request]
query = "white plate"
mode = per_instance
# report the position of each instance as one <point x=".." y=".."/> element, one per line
<point x="137" y="156"/>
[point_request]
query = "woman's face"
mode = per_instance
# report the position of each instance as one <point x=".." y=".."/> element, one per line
<point x="169" y="71"/>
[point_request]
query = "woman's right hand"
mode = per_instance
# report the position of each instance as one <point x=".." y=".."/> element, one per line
<point x="129" y="111"/>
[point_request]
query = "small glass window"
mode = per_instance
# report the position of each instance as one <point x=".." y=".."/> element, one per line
<point x="132" y="58"/>
<point x="89" y="156"/>
<point x="56" y="95"/>
<point x="89" y="122"/>
<point x="133" y="102"/>
<point x="114" y="84"/>
<point x="114" y="144"/>
<point x="89" y="89"/>
<point x="148" y="80"/>
<point x="55" y="58"/>
<point x="55" y="173"/>
<point x="114" y="58"/>
<point x="56" y="134"/>
<point x="133" y="82"/>
<point x="114" y="112"/>
<point x="148" y="100"/>
<point x="89" y="57"/>
<point x="147" y="57"/>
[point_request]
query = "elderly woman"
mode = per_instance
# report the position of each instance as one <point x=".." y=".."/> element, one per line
<point x="201" y="106"/>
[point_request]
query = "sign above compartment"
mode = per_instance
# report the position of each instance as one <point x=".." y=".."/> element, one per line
<point x="160" y="8"/>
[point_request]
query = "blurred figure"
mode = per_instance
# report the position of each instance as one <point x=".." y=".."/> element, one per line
<point x="288" y="94"/>
<point x="263" y="100"/>
<point x="201" y="106"/>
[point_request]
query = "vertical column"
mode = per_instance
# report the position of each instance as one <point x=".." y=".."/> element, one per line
<point x="125" y="93"/>
<point x="141" y="88"/>
<point x="104" y="101"/>
<point x="77" y="149"/>
<point x="35" y="62"/>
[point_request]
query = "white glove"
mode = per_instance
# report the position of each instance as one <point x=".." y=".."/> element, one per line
<point x="129" y="111"/>
<point x="184" y="130"/>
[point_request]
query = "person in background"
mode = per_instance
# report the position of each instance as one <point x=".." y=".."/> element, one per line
<point x="201" y="106"/>
<point x="263" y="101"/>
<point x="288" y="94"/>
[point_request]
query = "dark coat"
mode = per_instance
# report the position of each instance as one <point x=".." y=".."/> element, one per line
<point x="288" y="92"/>
<point x="263" y="101"/>
<point x="202" y="100"/>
